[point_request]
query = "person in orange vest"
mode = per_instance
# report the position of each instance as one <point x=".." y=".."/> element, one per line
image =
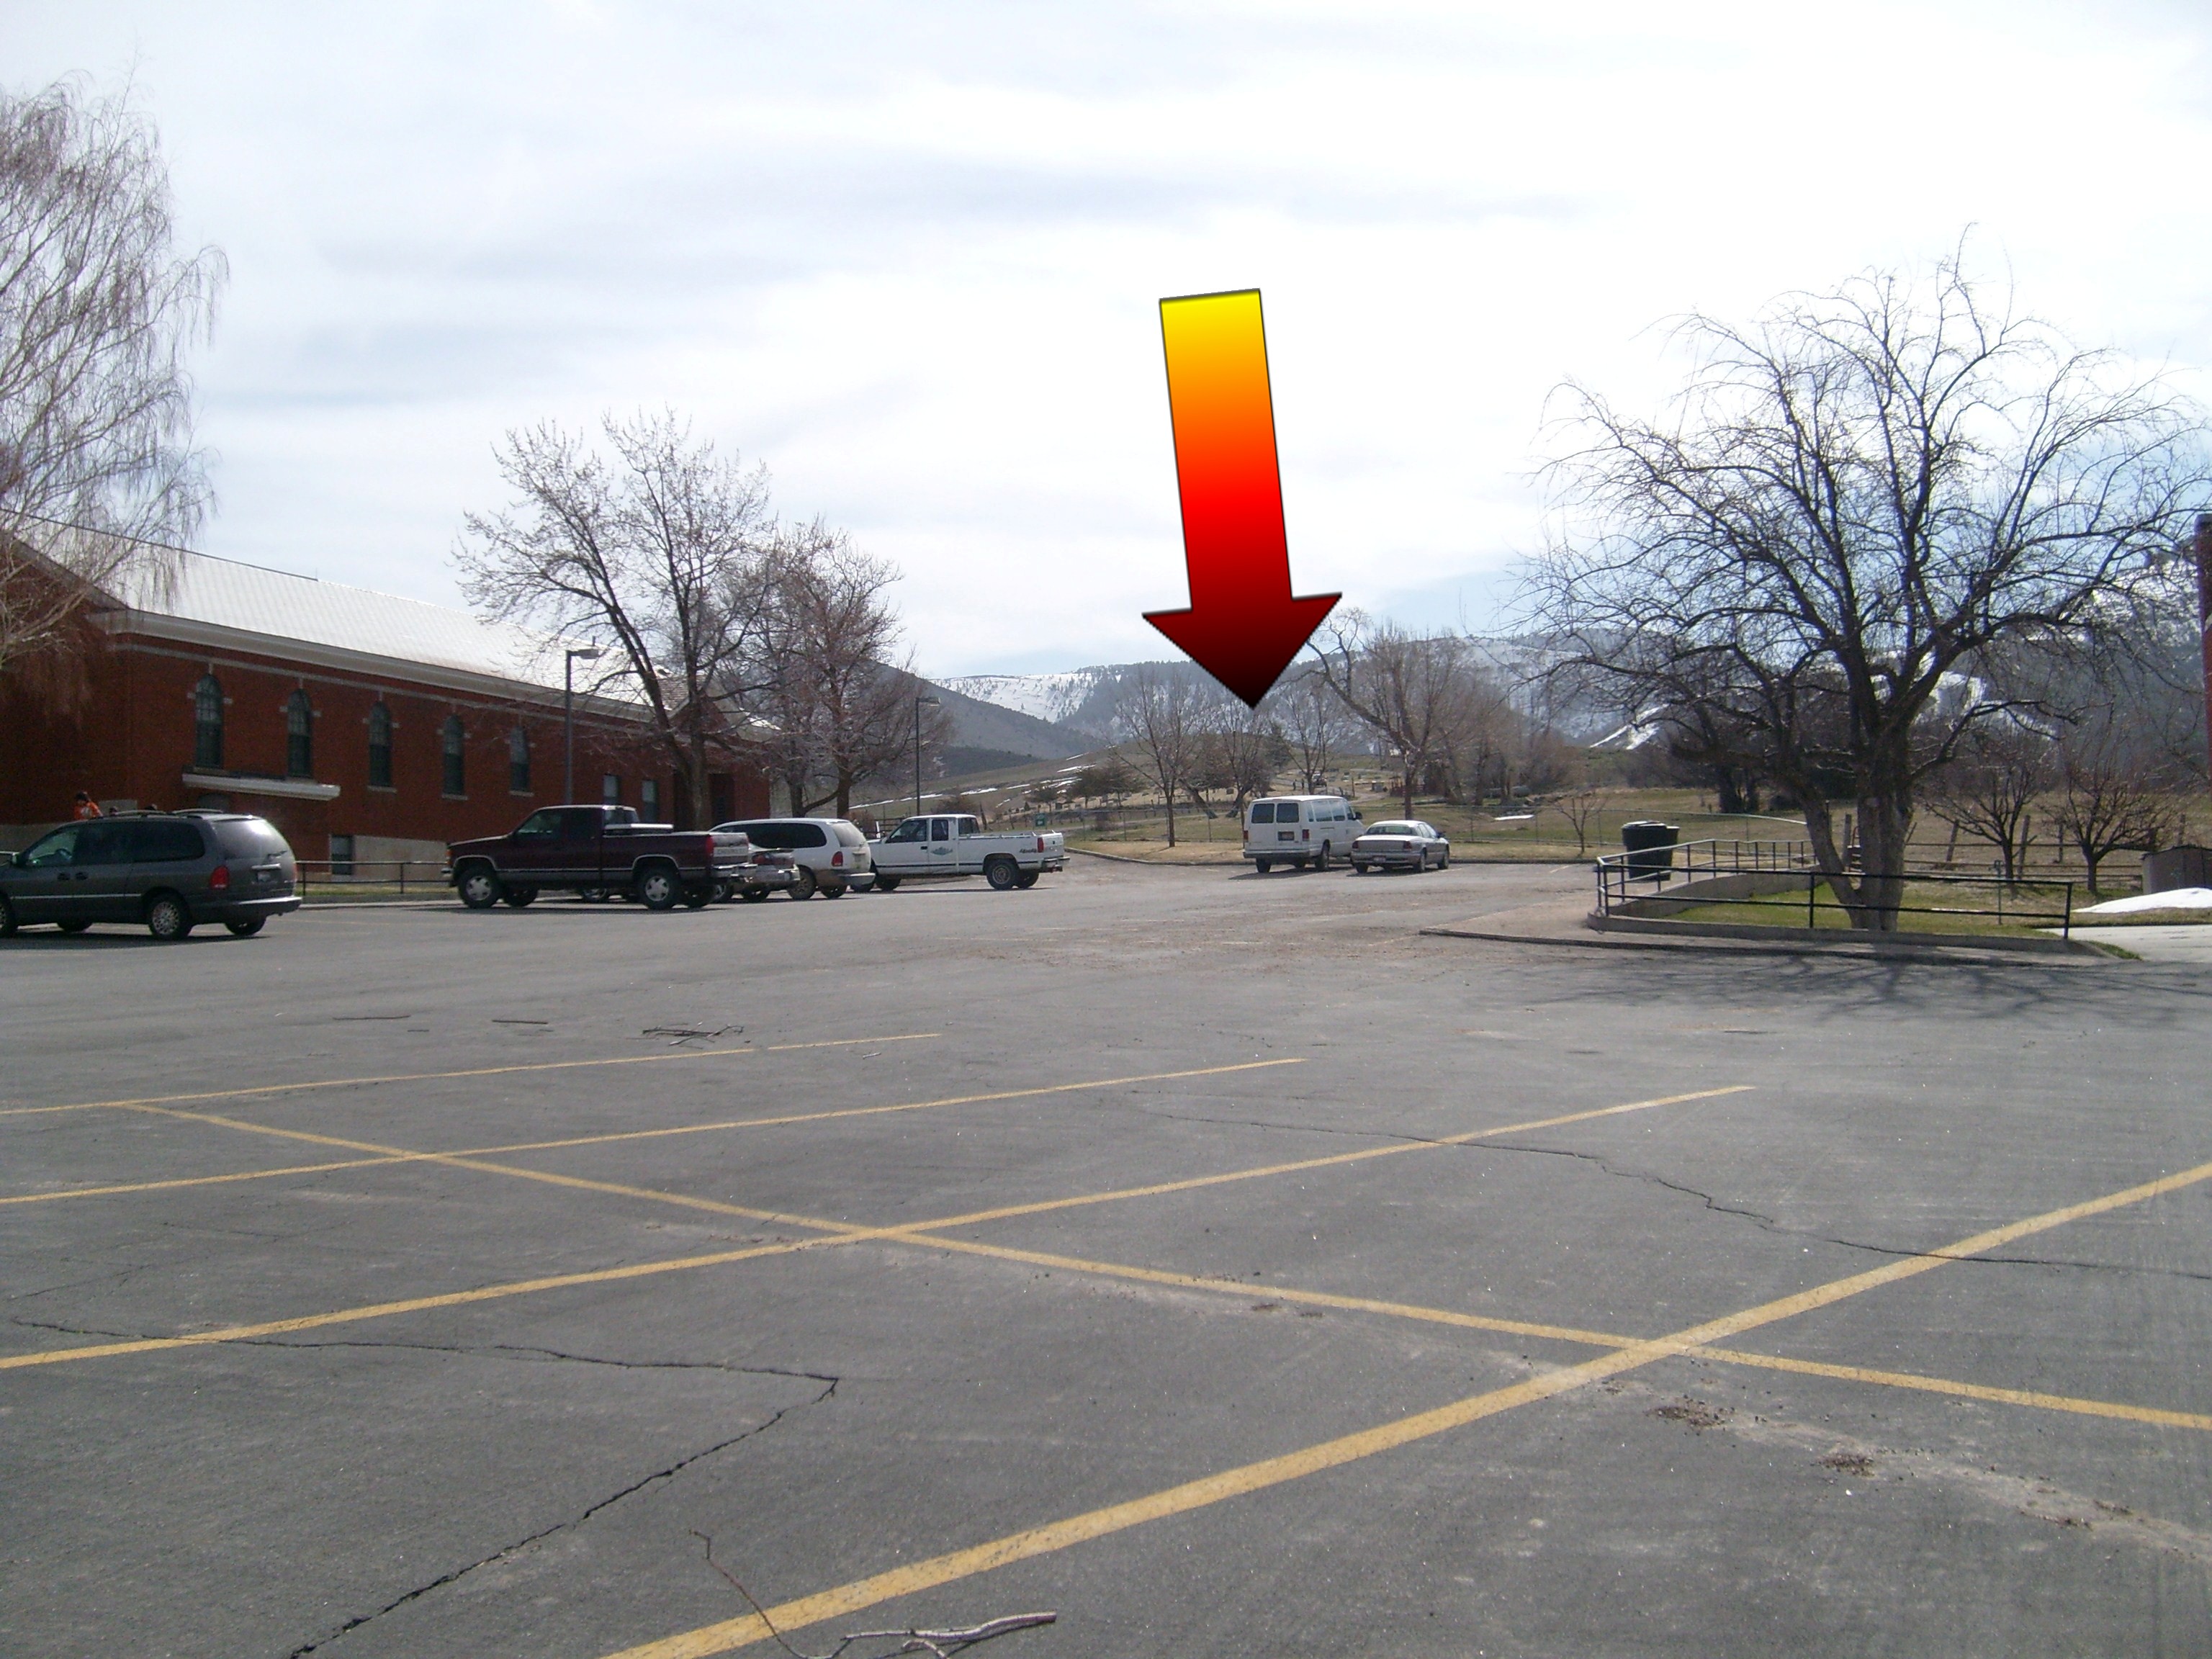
<point x="87" y="807"/>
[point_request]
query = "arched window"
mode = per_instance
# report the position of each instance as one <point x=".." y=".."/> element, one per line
<point x="517" y="760"/>
<point x="299" y="736"/>
<point x="207" y="722"/>
<point x="379" y="745"/>
<point x="457" y="776"/>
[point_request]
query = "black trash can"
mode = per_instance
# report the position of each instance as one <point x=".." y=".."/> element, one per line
<point x="1650" y="848"/>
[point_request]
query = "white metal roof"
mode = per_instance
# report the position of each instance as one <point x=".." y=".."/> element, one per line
<point x="281" y="608"/>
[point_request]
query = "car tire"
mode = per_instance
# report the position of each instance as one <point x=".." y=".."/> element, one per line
<point x="698" y="898"/>
<point x="7" y="918"/>
<point x="518" y="896"/>
<point x="247" y="927"/>
<point x="1445" y="863"/>
<point x="478" y="886"/>
<point x="804" y="887"/>
<point x="887" y="884"/>
<point x="753" y="895"/>
<point x="166" y="918"/>
<point x="1002" y="874"/>
<point x="1027" y="879"/>
<point x="1358" y="868"/>
<point x="72" y="927"/>
<point x="658" y="889"/>
<point x="1262" y="866"/>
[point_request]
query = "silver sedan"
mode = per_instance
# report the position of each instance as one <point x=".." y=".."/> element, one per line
<point x="1402" y="844"/>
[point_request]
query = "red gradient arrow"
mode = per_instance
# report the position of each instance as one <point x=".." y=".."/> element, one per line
<point x="1243" y="626"/>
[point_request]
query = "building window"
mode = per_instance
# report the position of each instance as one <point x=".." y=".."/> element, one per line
<point x="610" y="789"/>
<point x="517" y="760"/>
<point x="379" y="747"/>
<point x="457" y="776"/>
<point x="299" y="736"/>
<point x="649" y="800"/>
<point x="342" y="855"/>
<point x="207" y="722"/>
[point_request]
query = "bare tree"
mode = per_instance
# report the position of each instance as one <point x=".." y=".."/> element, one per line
<point x="1990" y="790"/>
<point x="98" y="471"/>
<point x="841" y="710"/>
<point x="2116" y="793"/>
<point x="661" y="554"/>
<point x="1412" y="690"/>
<point x="1318" y="728"/>
<point x="1163" y="714"/>
<point x="1857" y="496"/>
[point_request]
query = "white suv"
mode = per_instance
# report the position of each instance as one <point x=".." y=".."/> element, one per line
<point x="832" y="854"/>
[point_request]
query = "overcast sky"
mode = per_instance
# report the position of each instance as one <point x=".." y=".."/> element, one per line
<point x="909" y="256"/>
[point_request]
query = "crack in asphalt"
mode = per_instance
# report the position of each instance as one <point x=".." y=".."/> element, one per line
<point x="577" y="1520"/>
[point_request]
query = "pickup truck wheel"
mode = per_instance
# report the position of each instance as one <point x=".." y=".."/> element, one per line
<point x="658" y="888"/>
<point x="1002" y="872"/>
<point x="1026" y="880"/>
<point x="887" y="884"/>
<point x="479" y="887"/>
<point x="518" y="896"/>
<point x="804" y="886"/>
<point x="698" y="898"/>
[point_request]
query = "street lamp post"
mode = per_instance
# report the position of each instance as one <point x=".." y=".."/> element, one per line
<point x="586" y="653"/>
<point x="920" y="703"/>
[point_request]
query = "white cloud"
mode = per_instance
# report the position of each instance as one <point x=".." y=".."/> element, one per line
<point x="909" y="257"/>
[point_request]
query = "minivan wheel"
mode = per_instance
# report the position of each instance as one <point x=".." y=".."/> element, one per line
<point x="166" y="919"/>
<point x="246" y="927"/>
<point x="1002" y="874"/>
<point x="658" y="889"/>
<point x="804" y="886"/>
<point x="836" y="890"/>
<point x="479" y="887"/>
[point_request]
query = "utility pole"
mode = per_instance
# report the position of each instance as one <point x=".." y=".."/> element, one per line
<point x="586" y="653"/>
<point x="920" y="703"/>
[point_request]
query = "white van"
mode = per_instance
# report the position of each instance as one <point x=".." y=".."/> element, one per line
<point x="1300" y="830"/>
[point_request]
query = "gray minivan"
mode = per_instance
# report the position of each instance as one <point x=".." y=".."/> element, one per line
<point x="170" y="871"/>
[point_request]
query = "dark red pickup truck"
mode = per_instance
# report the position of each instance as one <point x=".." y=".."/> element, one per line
<point x="603" y="850"/>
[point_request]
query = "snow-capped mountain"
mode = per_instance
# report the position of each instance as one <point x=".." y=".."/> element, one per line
<point x="1040" y="697"/>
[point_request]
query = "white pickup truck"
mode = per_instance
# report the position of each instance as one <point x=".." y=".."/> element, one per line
<point x="953" y="844"/>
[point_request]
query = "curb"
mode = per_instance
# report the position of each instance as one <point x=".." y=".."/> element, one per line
<point x="1851" y="952"/>
<point x="1169" y="863"/>
<point x="1818" y="939"/>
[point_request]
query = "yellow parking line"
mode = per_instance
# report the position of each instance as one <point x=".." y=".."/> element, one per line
<point x="479" y="1070"/>
<point x="401" y="1155"/>
<point x="1394" y="1149"/>
<point x="839" y="1232"/>
<point x="861" y="1594"/>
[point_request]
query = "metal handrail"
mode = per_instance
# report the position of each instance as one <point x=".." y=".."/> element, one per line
<point x="1693" y="860"/>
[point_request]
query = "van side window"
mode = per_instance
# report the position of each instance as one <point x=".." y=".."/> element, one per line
<point x="1264" y="812"/>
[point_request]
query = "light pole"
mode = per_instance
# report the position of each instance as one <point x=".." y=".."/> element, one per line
<point x="586" y="653"/>
<point x="920" y="703"/>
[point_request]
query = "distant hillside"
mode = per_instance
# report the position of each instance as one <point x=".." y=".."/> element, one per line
<point x="1080" y="701"/>
<point x="996" y="729"/>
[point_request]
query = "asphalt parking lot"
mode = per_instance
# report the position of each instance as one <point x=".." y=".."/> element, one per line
<point x="1214" y="1261"/>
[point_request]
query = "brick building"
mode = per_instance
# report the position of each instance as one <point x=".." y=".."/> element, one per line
<point x="367" y="727"/>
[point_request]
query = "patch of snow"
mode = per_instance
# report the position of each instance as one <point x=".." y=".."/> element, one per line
<point x="2177" y="898"/>
<point x="1042" y="696"/>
